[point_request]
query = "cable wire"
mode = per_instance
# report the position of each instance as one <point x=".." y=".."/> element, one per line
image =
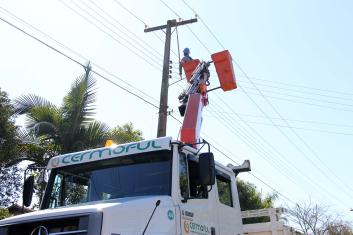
<point x="62" y="45"/>
<point x="111" y="35"/>
<point x="295" y="101"/>
<point x="264" y="112"/>
<point x="304" y="92"/>
<point x="299" y="128"/>
<point x="121" y="30"/>
<point x="299" y="96"/>
<point x="143" y="23"/>
<point x="244" y="137"/>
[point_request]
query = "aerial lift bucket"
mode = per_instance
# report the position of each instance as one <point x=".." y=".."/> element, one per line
<point x="224" y="67"/>
<point x="189" y="68"/>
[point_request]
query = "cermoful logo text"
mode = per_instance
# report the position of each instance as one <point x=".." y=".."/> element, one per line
<point x="109" y="151"/>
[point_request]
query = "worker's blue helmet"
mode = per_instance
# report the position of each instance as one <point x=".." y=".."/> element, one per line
<point x="186" y="50"/>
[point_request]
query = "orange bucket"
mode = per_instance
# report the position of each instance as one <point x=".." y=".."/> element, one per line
<point x="224" y="67"/>
<point x="189" y="67"/>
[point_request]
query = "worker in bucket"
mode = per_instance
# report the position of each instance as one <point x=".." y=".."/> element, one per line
<point x="185" y="59"/>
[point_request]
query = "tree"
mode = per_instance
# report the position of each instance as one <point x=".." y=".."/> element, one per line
<point x="340" y="228"/>
<point x="53" y="130"/>
<point x="317" y="219"/>
<point x="125" y="134"/>
<point x="8" y="140"/>
<point x="4" y="213"/>
<point x="10" y="184"/>
<point x="251" y="199"/>
<point x="10" y="176"/>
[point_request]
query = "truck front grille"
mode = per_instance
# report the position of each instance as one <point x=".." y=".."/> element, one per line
<point x="86" y="224"/>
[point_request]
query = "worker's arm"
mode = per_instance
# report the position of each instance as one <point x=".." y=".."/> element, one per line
<point x="180" y="67"/>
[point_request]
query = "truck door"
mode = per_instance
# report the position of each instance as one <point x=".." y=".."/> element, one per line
<point x="197" y="211"/>
<point x="229" y="215"/>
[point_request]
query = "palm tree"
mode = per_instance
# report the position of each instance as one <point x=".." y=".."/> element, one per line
<point x="53" y="130"/>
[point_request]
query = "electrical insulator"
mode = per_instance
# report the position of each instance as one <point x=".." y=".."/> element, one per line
<point x="170" y="71"/>
<point x="170" y="66"/>
<point x="170" y="76"/>
<point x="170" y="62"/>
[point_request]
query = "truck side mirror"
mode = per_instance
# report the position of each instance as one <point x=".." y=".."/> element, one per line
<point x="28" y="191"/>
<point x="207" y="169"/>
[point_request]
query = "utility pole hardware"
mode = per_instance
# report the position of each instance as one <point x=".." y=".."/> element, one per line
<point x="163" y="105"/>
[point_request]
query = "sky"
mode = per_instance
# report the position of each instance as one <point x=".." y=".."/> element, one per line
<point x="290" y="115"/>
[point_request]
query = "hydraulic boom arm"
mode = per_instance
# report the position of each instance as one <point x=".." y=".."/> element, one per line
<point x="194" y="97"/>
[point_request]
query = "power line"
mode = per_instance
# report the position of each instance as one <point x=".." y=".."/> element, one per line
<point x="272" y="121"/>
<point x="199" y="40"/>
<point x="124" y="27"/>
<point x="304" y="92"/>
<point x="42" y="42"/>
<point x="57" y="42"/>
<point x="100" y="75"/>
<point x="204" y="25"/>
<point x="292" y="85"/>
<point x="300" y="97"/>
<point x="291" y="129"/>
<point x="110" y="35"/>
<point x="143" y="23"/>
<point x="119" y="29"/>
<point x="300" y="102"/>
<point x="288" y="126"/>
<point x="289" y="171"/>
<point x="299" y="128"/>
<point x="293" y="120"/>
<point x="238" y="164"/>
<point x="256" y="176"/>
<point x="124" y="89"/>
<point x="77" y="62"/>
<point x="186" y="26"/>
<point x="29" y="25"/>
<point x="84" y="66"/>
<point x="299" y="138"/>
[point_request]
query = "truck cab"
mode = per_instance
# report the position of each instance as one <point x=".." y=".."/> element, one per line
<point x="157" y="186"/>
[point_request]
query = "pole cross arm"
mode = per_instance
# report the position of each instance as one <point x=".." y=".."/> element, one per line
<point x="245" y="167"/>
<point x="174" y="23"/>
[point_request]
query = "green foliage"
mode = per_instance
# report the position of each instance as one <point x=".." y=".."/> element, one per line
<point x="223" y="192"/>
<point x="75" y="193"/>
<point x="10" y="184"/>
<point x="251" y="199"/>
<point x="184" y="191"/>
<point x="4" y="213"/>
<point x="10" y="176"/>
<point x="8" y="140"/>
<point x="126" y="134"/>
<point x="54" y="130"/>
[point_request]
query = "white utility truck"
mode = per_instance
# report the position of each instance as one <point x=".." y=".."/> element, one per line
<point x="159" y="186"/>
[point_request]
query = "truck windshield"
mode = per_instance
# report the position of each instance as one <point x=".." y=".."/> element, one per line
<point x="128" y="176"/>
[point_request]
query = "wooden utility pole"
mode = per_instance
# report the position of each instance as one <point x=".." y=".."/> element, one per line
<point x="163" y="105"/>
